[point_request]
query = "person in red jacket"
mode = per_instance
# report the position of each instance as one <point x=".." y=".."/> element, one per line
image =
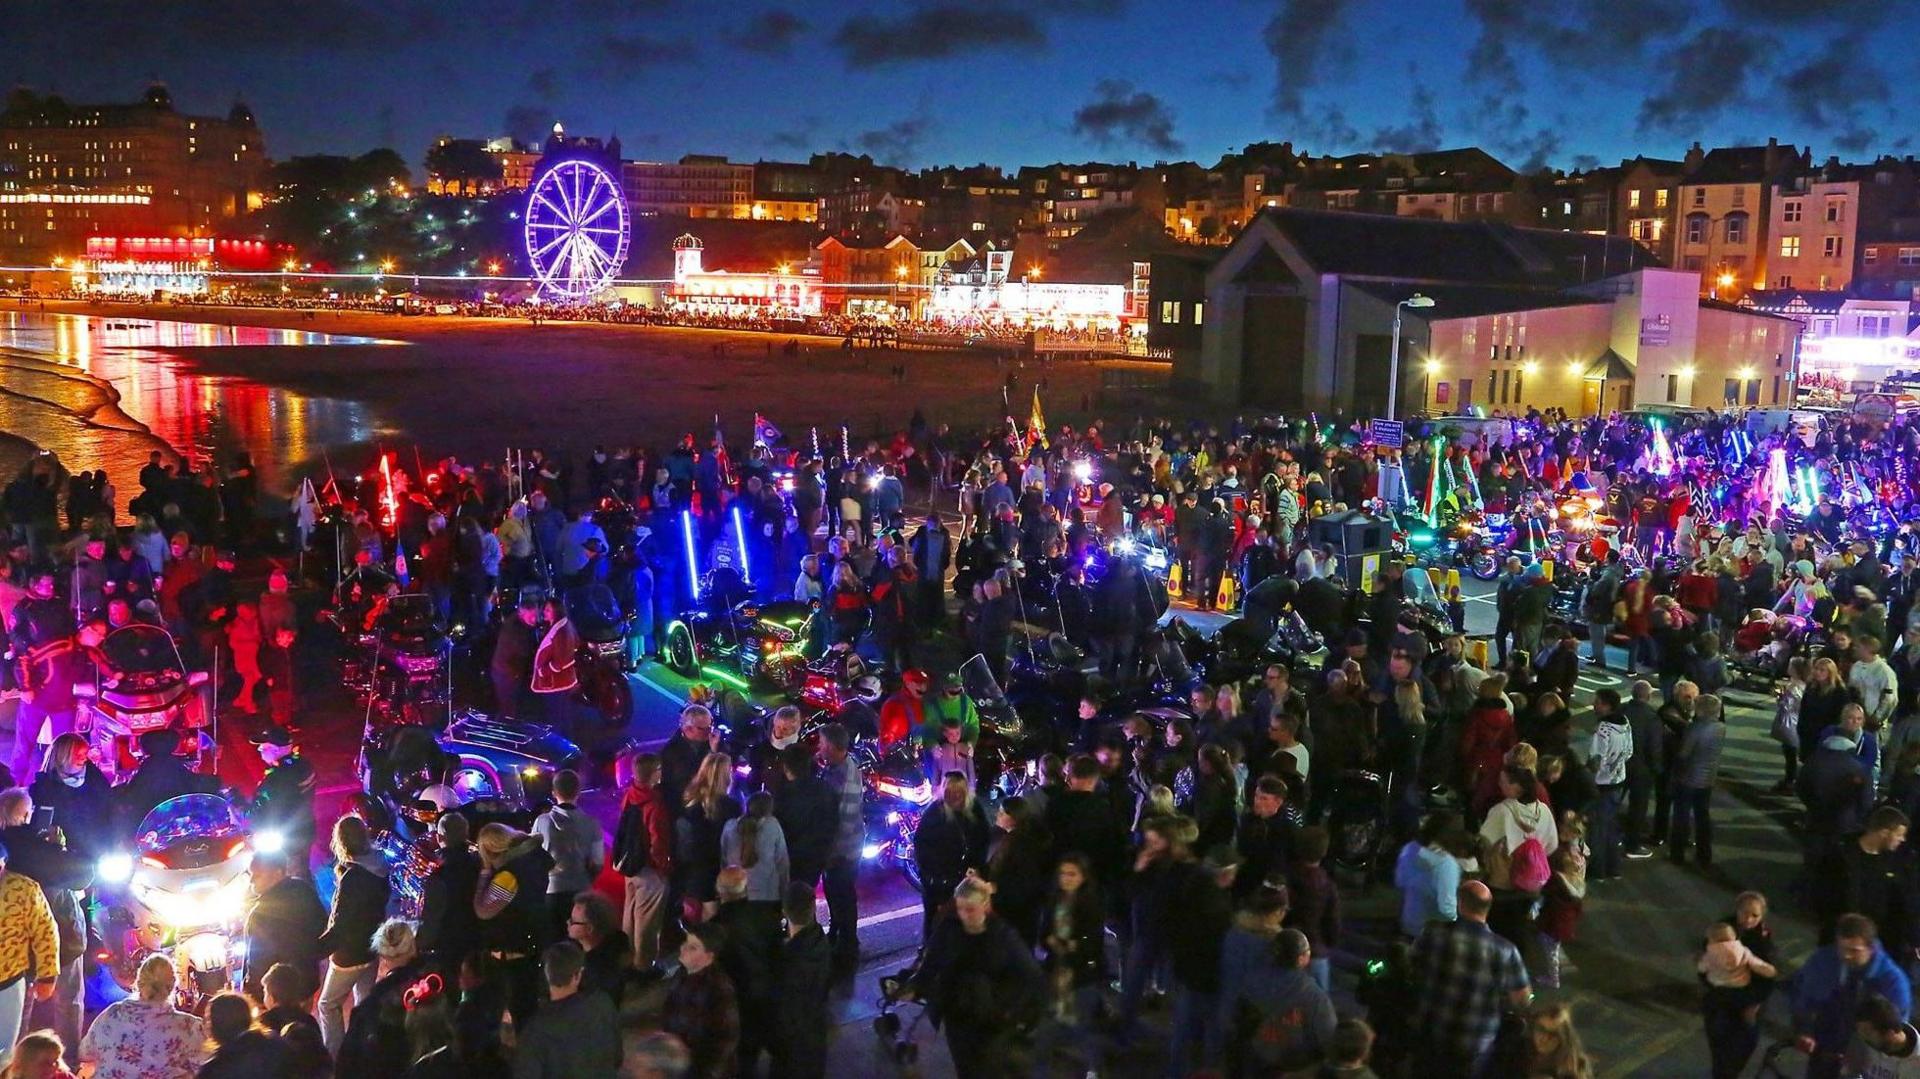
<point x="1489" y="733"/>
<point x="906" y="711"/>
<point x="643" y="855"/>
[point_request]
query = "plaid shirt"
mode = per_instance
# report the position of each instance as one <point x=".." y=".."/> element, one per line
<point x="848" y="785"/>
<point x="1463" y="973"/>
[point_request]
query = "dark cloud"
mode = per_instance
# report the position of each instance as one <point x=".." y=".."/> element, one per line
<point x="1704" y="75"/>
<point x="644" y="50"/>
<point x="800" y="137"/>
<point x="529" y="123"/>
<point x="1533" y="152"/>
<point x="1305" y="38"/>
<point x="543" y="81"/>
<point x="895" y="144"/>
<point x="1585" y="162"/>
<point x="932" y="33"/>
<point x="1855" y="140"/>
<point x="1582" y="36"/>
<point x="1420" y="132"/>
<point x="119" y="28"/>
<point x="1120" y="115"/>
<point x="770" y="33"/>
<point x="1834" y="89"/>
<point x="1823" y="12"/>
<point x="1079" y="7"/>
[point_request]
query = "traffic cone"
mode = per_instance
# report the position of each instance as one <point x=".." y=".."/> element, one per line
<point x="1453" y="581"/>
<point x="1173" y="581"/>
<point x="1224" y="601"/>
<point x="1437" y="577"/>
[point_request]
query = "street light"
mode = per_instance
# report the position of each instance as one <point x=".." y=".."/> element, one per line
<point x="1393" y="364"/>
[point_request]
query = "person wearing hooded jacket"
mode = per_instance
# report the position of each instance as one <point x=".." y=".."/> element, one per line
<point x="359" y="906"/>
<point x="510" y="902"/>
<point x="1829" y="990"/>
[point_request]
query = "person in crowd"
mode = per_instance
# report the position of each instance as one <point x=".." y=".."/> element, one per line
<point x="37" y="1055"/>
<point x="241" y="1049"/>
<point x="1829" y="990"/>
<point x="1609" y="754"/>
<point x="701" y="1008"/>
<point x="980" y="983"/>
<point x="145" y="1036"/>
<point x="804" y="970"/>
<point x="286" y="923"/>
<point x="1278" y="1018"/>
<point x="643" y="856"/>
<point x="574" y="841"/>
<point x="1020" y="867"/>
<point x="949" y="845"/>
<point x="574" y="1033"/>
<point x="594" y="924"/>
<point x="706" y="807"/>
<point x="449" y="930"/>
<point x="1695" y="767"/>
<point x="360" y="899"/>
<point x="755" y="842"/>
<point x="1315" y="903"/>
<point x="41" y="855"/>
<point x="1073" y="951"/>
<point x="286" y="1000"/>
<point x="375" y="1042"/>
<point x="1885" y="1045"/>
<point x="842" y="776"/>
<point x="1554" y="1050"/>
<point x="510" y="901"/>
<point x="752" y="932"/>
<point x="1465" y="977"/>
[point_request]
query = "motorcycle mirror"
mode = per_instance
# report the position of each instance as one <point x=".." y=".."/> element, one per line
<point x="197" y="678"/>
<point x="86" y="689"/>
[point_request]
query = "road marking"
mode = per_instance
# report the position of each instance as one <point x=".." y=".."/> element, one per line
<point x="672" y="697"/>
<point x="820" y="907"/>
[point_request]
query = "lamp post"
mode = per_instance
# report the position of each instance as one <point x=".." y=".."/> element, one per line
<point x="1393" y="365"/>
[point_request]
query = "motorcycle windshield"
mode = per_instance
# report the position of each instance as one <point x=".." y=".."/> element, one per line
<point x="196" y="815"/>
<point x="978" y="681"/>
<point x="1419" y="590"/>
<point x="144" y="650"/>
<point x="593" y="609"/>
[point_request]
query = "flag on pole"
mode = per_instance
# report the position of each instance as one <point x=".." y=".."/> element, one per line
<point x="1037" y="422"/>
<point x="400" y="562"/>
<point x="764" y="432"/>
<point x="306" y="510"/>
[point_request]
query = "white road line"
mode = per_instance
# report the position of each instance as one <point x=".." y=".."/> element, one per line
<point x="672" y="697"/>
<point x="820" y="906"/>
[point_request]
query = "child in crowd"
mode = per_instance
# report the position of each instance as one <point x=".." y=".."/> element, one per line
<point x="1563" y="900"/>
<point x="1729" y="964"/>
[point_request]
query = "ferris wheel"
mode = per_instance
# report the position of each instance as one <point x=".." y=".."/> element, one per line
<point x="577" y="230"/>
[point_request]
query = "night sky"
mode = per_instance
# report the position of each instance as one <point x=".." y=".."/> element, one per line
<point x="1567" y="83"/>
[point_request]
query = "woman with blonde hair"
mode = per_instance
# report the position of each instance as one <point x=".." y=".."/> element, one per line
<point x="706" y="808"/>
<point x="359" y="904"/>
<point x="1554" y="1049"/>
<point x="145" y="1035"/>
<point x="510" y="900"/>
<point x="37" y="1056"/>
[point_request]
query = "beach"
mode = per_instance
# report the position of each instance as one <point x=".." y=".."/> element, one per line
<point x="476" y="387"/>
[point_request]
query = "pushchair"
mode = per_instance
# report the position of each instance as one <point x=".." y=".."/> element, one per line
<point x="889" y="1025"/>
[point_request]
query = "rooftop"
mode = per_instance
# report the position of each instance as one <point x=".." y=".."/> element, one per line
<point x="1423" y="249"/>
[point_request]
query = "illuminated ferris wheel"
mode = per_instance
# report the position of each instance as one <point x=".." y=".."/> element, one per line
<point x="577" y="230"/>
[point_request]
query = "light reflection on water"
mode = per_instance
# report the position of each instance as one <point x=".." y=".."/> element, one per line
<point x="60" y="374"/>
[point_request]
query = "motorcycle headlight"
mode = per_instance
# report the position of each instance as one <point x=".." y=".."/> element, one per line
<point x="870" y="851"/>
<point x="205" y="951"/>
<point x="114" y="869"/>
<point x="269" y="842"/>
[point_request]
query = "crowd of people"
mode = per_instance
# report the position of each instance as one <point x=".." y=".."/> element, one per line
<point x="1196" y="858"/>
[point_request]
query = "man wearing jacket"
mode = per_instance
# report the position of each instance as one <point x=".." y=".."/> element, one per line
<point x="578" y="848"/>
<point x="1830" y="988"/>
<point x="643" y="854"/>
<point x="1610" y="755"/>
<point x="1694" y="770"/>
<point x="449" y="930"/>
<point x="285" y="924"/>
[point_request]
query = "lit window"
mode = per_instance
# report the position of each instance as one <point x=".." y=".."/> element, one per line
<point x="1633" y="199"/>
<point x="1789" y="247"/>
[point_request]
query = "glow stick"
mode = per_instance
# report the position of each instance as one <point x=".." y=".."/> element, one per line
<point x="740" y="537"/>
<point x="693" y="564"/>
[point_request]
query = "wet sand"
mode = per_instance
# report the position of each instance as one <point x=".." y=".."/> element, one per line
<point x="474" y="387"/>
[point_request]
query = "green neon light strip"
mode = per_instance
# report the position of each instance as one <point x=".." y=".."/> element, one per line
<point x="725" y="676"/>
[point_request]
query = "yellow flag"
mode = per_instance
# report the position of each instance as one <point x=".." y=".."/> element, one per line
<point x="1037" y="422"/>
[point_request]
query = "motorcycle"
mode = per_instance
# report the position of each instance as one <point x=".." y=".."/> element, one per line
<point x="744" y="640"/>
<point x="182" y="891"/>
<point x="602" y="663"/>
<point x="489" y="770"/>
<point x="149" y="689"/>
<point x="411" y="665"/>
<point x="1008" y="743"/>
<point x="897" y="793"/>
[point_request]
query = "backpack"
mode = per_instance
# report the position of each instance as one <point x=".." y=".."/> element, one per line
<point x="1529" y="871"/>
